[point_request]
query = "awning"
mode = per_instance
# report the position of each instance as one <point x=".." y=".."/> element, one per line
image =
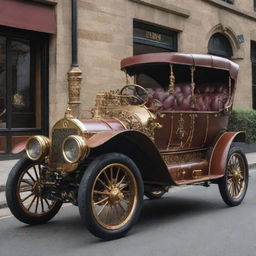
<point x="28" y="15"/>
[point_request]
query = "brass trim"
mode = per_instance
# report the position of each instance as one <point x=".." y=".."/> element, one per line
<point x="172" y="80"/>
<point x="44" y="147"/>
<point x="197" y="173"/>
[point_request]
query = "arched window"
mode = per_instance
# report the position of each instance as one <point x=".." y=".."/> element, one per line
<point x="219" y="45"/>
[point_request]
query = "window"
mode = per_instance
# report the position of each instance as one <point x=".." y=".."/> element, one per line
<point x="229" y="1"/>
<point x="219" y="45"/>
<point x="151" y="39"/>
<point x="23" y="85"/>
<point x="148" y="38"/>
<point x="253" y="60"/>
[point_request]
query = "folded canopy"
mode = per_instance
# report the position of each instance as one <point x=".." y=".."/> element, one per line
<point x="129" y="64"/>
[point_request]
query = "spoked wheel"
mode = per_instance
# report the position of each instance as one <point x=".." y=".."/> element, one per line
<point x="24" y="194"/>
<point x="233" y="185"/>
<point x="110" y="196"/>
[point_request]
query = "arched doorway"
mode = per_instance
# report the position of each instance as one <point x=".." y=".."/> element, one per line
<point x="219" y="45"/>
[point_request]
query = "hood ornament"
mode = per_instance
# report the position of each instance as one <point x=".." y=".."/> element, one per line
<point x="68" y="113"/>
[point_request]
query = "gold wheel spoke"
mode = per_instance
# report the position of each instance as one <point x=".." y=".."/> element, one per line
<point x="37" y="202"/>
<point x="101" y="201"/>
<point x="101" y="192"/>
<point x="235" y="189"/>
<point x="111" y="173"/>
<point x="122" y="207"/>
<point x="35" y="172"/>
<point x="26" y="189"/>
<point x="31" y="177"/>
<point x="117" y="174"/>
<point x="107" y="215"/>
<point x="28" y="182"/>
<point x="107" y="178"/>
<point x="47" y="202"/>
<point x="120" y="182"/>
<point x="101" y="210"/>
<point x="117" y="213"/>
<point x="126" y="201"/>
<point x="103" y="184"/>
<point x="42" y="204"/>
<point x="24" y="199"/>
<point x="124" y="186"/>
<point x="31" y="203"/>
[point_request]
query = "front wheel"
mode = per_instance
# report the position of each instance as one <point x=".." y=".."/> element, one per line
<point x="110" y="196"/>
<point x="233" y="185"/>
<point x="24" y="194"/>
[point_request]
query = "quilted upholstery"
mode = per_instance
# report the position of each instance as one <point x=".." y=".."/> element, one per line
<point x="208" y="97"/>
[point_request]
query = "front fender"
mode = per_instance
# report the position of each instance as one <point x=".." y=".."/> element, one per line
<point x="218" y="159"/>
<point x="138" y="147"/>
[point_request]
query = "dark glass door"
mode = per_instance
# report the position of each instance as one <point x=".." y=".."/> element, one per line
<point x="23" y="87"/>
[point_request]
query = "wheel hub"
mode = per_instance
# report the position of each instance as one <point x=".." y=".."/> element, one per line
<point x="37" y="188"/>
<point x="115" y="195"/>
<point x="237" y="175"/>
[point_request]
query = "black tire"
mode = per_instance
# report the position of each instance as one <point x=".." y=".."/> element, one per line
<point x="233" y="185"/>
<point x="112" y="194"/>
<point x="154" y="194"/>
<point x="14" y="187"/>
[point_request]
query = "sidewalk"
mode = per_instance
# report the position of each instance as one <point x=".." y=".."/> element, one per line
<point x="6" y="166"/>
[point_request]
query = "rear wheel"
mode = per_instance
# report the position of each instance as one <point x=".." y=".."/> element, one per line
<point x="24" y="194"/>
<point x="110" y="196"/>
<point x="233" y="185"/>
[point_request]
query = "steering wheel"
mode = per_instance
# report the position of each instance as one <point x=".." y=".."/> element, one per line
<point x="139" y="95"/>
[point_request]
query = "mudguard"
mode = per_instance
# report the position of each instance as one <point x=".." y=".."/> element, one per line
<point x="138" y="147"/>
<point x="218" y="159"/>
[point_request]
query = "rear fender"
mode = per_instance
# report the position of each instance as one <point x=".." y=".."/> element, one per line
<point x="218" y="159"/>
<point x="139" y="148"/>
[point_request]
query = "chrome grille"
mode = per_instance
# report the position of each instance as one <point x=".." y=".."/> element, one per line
<point x="58" y="136"/>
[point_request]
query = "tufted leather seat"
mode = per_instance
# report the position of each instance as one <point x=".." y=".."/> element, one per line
<point x="208" y="97"/>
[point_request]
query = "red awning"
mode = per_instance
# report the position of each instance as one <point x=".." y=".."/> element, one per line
<point x="27" y="15"/>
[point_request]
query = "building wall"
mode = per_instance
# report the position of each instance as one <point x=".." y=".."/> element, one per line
<point x="105" y="36"/>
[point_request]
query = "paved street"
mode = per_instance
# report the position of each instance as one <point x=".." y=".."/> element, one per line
<point x="187" y="221"/>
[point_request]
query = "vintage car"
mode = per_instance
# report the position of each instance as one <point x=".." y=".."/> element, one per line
<point x="167" y="128"/>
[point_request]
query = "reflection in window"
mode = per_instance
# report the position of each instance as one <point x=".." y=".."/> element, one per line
<point x="2" y="82"/>
<point x="20" y="75"/>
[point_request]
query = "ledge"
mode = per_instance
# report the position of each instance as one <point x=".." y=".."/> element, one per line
<point x="232" y="8"/>
<point x="48" y="2"/>
<point x="163" y="6"/>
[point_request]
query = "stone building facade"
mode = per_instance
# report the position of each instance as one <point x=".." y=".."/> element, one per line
<point x="108" y="31"/>
<point x="105" y="36"/>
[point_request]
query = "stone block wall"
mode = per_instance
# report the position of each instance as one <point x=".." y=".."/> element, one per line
<point x="105" y="36"/>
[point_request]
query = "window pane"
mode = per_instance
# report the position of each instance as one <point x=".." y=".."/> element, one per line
<point x="22" y="91"/>
<point x="254" y="96"/>
<point x="2" y="82"/>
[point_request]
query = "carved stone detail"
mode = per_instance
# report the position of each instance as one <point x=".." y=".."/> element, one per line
<point x="74" y="85"/>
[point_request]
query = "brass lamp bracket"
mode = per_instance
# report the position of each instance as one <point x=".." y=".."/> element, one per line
<point x="172" y="80"/>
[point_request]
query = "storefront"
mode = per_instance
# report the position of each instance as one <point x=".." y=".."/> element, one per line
<point x="24" y="43"/>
